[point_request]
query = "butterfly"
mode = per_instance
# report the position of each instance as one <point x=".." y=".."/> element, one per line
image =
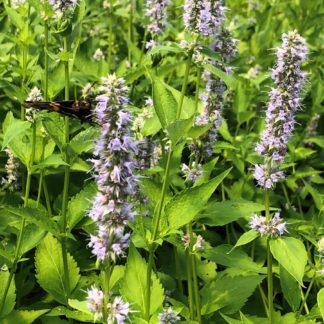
<point x="81" y="109"/>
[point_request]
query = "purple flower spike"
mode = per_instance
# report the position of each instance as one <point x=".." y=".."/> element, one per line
<point x="113" y="171"/>
<point x="284" y="102"/>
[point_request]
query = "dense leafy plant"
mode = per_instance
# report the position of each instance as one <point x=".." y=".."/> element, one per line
<point x="189" y="189"/>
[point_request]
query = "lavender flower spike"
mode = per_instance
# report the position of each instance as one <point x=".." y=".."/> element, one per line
<point x="156" y="11"/>
<point x="284" y="102"/>
<point x="203" y="16"/>
<point x="113" y="171"/>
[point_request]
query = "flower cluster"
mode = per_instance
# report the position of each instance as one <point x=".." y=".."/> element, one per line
<point x="156" y="11"/>
<point x="34" y="96"/>
<point x="283" y="104"/>
<point x="197" y="244"/>
<point x="168" y="316"/>
<point x="273" y="227"/>
<point x="113" y="165"/>
<point x="12" y="167"/>
<point x="203" y="16"/>
<point x="17" y="3"/>
<point x="193" y="172"/>
<point x="98" y="55"/>
<point x="62" y="7"/>
<point x="320" y="249"/>
<point x="213" y="97"/>
<point x="117" y="311"/>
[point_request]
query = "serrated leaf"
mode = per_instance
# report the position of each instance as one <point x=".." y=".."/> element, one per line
<point x="291" y="254"/>
<point x="290" y="289"/>
<point x="84" y="141"/>
<point x="14" y="130"/>
<point x="32" y="236"/>
<point x="185" y="206"/>
<point x="133" y="286"/>
<point x="179" y="129"/>
<point x="15" y="18"/>
<point x="228" y="294"/>
<point x="246" y="238"/>
<point x="23" y="316"/>
<point x="50" y="269"/>
<point x="230" y="80"/>
<point x="11" y="295"/>
<point x="320" y="301"/>
<point x="235" y="259"/>
<point x="80" y="204"/>
<point x="36" y="216"/>
<point x="54" y="125"/>
<point x="165" y="104"/>
<point x="54" y="160"/>
<point x="74" y="314"/>
<point x="224" y="212"/>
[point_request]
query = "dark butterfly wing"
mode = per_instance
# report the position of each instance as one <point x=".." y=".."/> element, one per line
<point x="74" y="108"/>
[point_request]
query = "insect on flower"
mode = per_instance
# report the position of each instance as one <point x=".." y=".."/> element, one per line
<point x="81" y="109"/>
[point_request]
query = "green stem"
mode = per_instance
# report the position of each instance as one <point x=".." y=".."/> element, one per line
<point x="304" y="301"/>
<point x="110" y="36"/>
<point x="160" y="206"/>
<point x="130" y="30"/>
<point x="193" y="265"/>
<point x="66" y="182"/>
<point x="46" y="62"/>
<point x="190" y="287"/>
<point x="178" y="272"/>
<point x="185" y="82"/>
<point x="47" y="199"/>
<point x="143" y="48"/>
<point x="105" y="278"/>
<point x="269" y="261"/>
<point x="270" y="283"/>
<point x="264" y="300"/>
<point x="23" y="221"/>
<point x="41" y="176"/>
<point x="198" y="80"/>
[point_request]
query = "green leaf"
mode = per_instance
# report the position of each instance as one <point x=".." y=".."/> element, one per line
<point x="74" y="314"/>
<point x="315" y="195"/>
<point x="291" y="254"/>
<point x="151" y="125"/>
<point x="165" y="104"/>
<point x="11" y="295"/>
<point x="84" y="141"/>
<point x="207" y="169"/>
<point x="23" y="316"/>
<point x="188" y="105"/>
<point x="236" y="259"/>
<point x="14" y="130"/>
<point x="34" y="215"/>
<point x="230" y="80"/>
<point x="185" y="206"/>
<point x="228" y="293"/>
<point x="32" y="236"/>
<point x="50" y="269"/>
<point x="80" y="204"/>
<point x="246" y="238"/>
<point x="79" y="305"/>
<point x="133" y="286"/>
<point x="15" y="18"/>
<point x="290" y="289"/>
<point x="225" y="212"/>
<point x="320" y="301"/>
<point x="179" y="129"/>
<point x="54" y="125"/>
<point x="54" y="160"/>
